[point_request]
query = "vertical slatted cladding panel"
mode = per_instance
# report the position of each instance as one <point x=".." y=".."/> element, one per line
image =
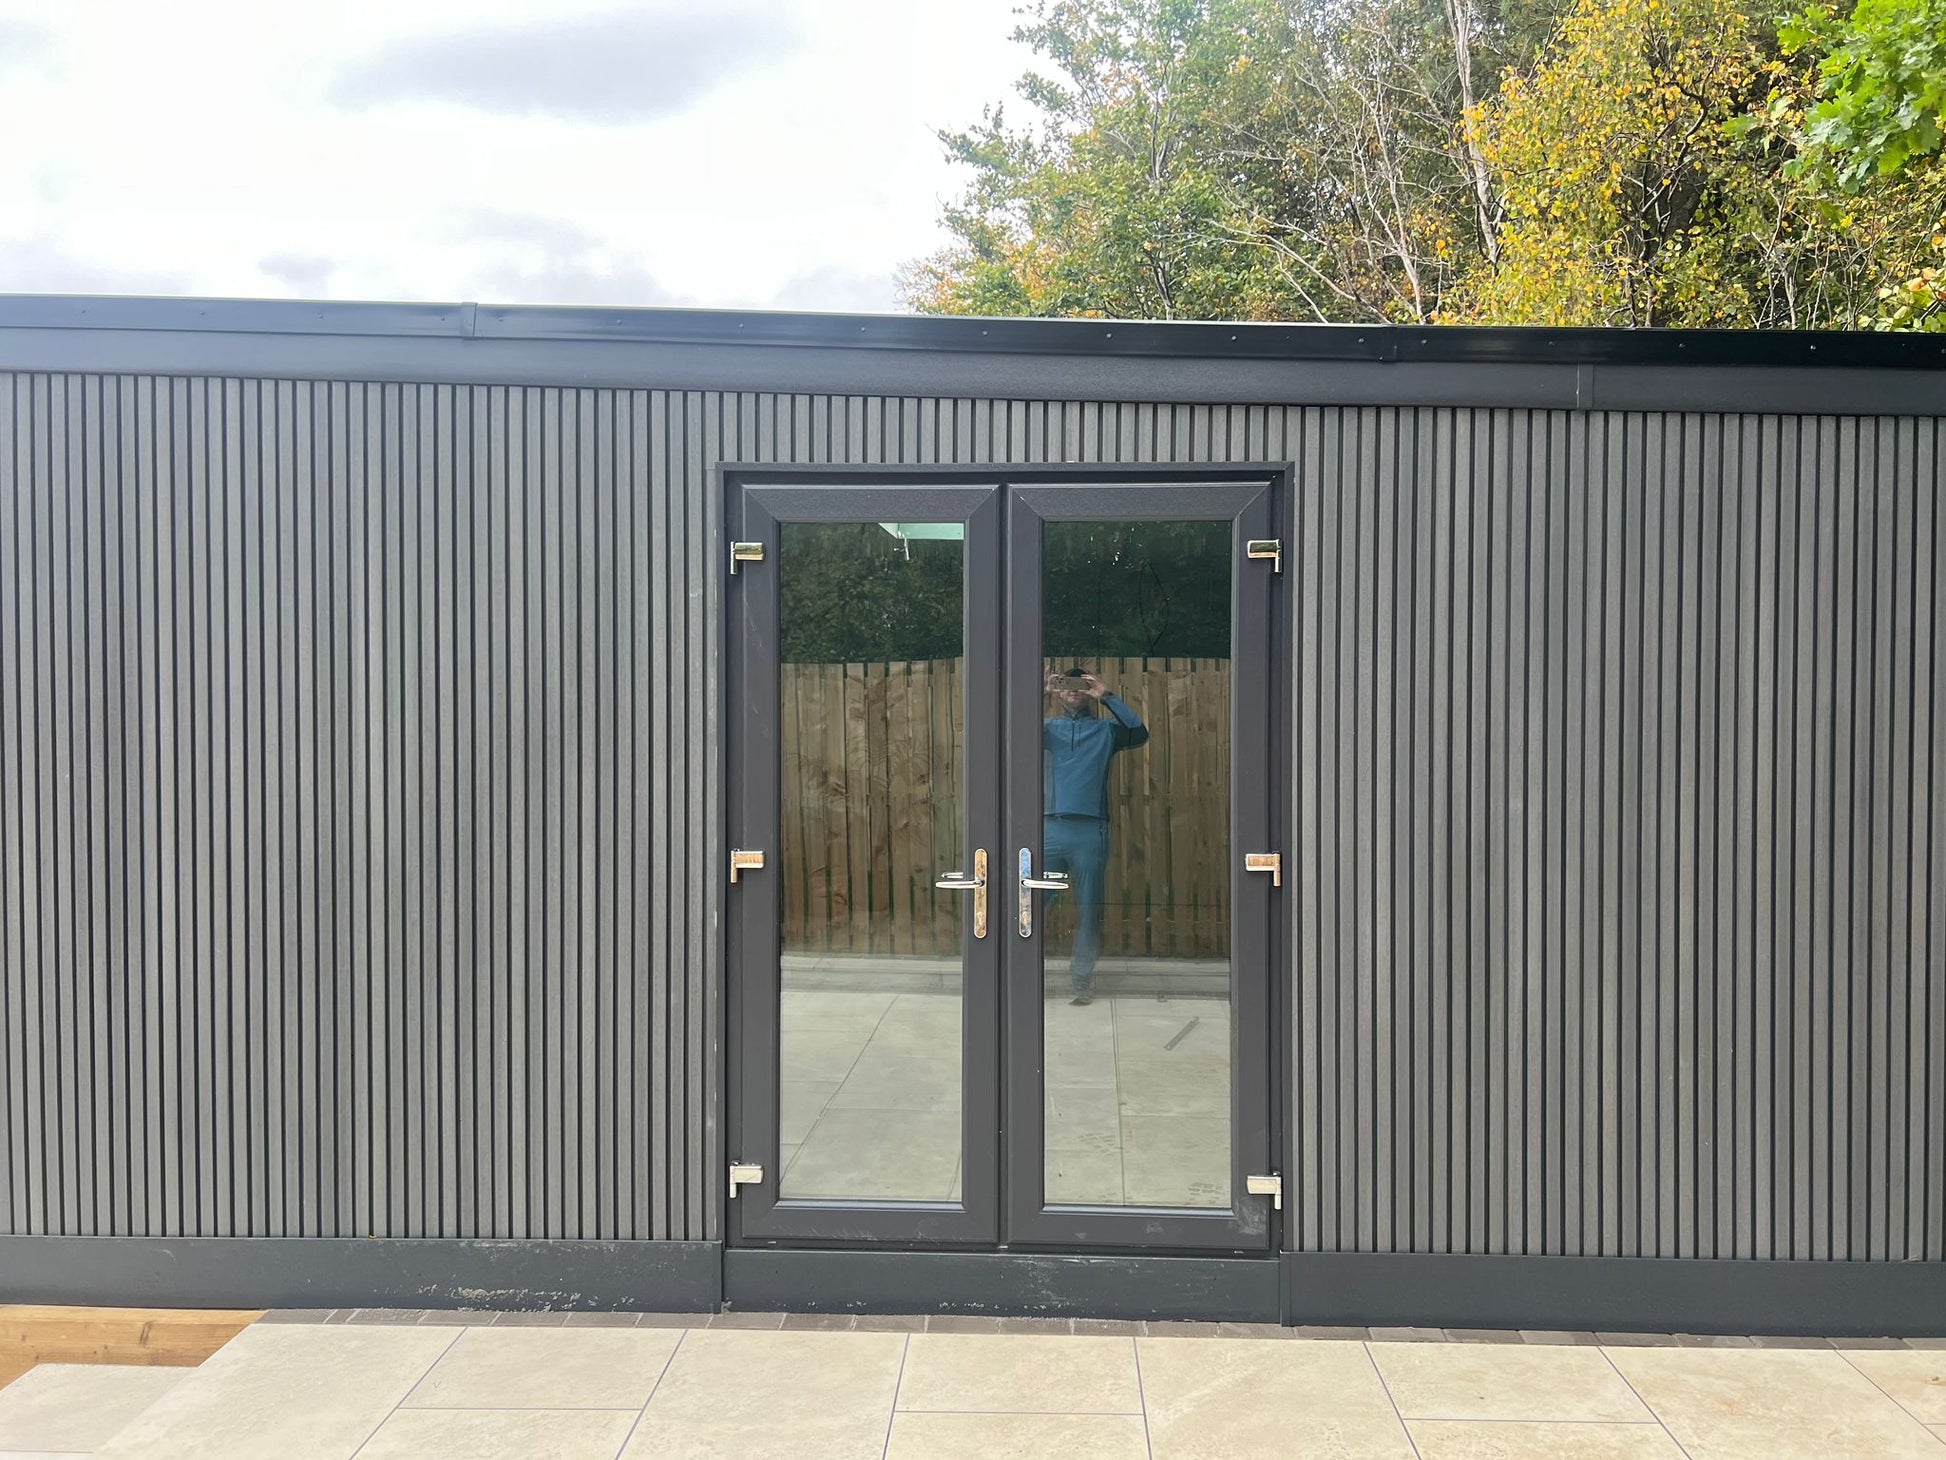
<point x="360" y="762"/>
<point x="350" y="785"/>
<point x="360" y="769"/>
<point x="1621" y="921"/>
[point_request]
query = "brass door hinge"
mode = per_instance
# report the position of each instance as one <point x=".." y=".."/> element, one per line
<point x="744" y="1174"/>
<point x="745" y="552"/>
<point x="1271" y="1186"/>
<point x="1271" y="862"/>
<point x="742" y="860"/>
<point x="1266" y="547"/>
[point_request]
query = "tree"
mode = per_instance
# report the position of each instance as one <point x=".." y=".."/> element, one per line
<point x="1619" y="162"/>
<point x="1881" y="86"/>
<point x="1233" y="158"/>
<point x="1617" y="172"/>
<point x="1648" y="166"/>
<point x="1113" y="205"/>
<point x="1879" y="125"/>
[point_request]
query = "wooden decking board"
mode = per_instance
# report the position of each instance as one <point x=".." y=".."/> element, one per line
<point x="177" y="1337"/>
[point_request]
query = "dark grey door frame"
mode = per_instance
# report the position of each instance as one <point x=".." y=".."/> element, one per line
<point x="1247" y="1226"/>
<point x="754" y="515"/>
<point x="1256" y="497"/>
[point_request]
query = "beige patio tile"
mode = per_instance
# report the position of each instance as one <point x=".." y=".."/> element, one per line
<point x="1772" y="1404"/>
<point x="1445" y="1439"/>
<point x="541" y="1368"/>
<point x="1916" y="1379"/>
<point x="1017" y="1437"/>
<point x="275" y="1391"/>
<point x="78" y="1406"/>
<point x="1215" y="1398"/>
<point x="1504" y="1381"/>
<point x="500" y="1434"/>
<point x="860" y="1153"/>
<point x="756" y="1395"/>
<point x="1020" y="1373"/>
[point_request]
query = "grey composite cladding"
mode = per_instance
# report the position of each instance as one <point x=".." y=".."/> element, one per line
<point x="361" y="817"/>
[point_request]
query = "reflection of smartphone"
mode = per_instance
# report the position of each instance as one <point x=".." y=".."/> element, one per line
<point x="1074" y="681"/>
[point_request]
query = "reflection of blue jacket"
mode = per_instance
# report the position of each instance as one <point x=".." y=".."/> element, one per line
<point x="1076" y="751"/>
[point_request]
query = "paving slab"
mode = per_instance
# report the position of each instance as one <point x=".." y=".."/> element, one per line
<point x="1772" y="1404"/>
<point x="1464" y="1381"/>
<point x="276" y="1391"/>
<point x="78" y="1406"/>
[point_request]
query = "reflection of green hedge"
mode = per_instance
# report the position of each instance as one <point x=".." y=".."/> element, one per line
<point x="851" y="593"/>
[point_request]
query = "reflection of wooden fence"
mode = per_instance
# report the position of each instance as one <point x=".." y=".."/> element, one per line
<point x="872" y="803"/>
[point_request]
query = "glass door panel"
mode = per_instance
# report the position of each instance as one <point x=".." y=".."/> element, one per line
<point x="1135" y="818"/>
<point x="864" y="751"/>
<point x="1138" y="1027"/>
<point x="872" y="732"/>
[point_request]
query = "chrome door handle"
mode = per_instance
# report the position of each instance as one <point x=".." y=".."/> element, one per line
<point x="1052" y="882"/>
<point x="976" y="884"/>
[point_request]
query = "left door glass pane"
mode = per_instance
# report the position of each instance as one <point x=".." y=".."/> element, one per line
<point x="872" y="737"/>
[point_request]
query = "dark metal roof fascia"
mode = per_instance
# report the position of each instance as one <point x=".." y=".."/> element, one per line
<point x="1089" y="338"/>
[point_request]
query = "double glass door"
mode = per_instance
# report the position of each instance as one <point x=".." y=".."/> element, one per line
<point x="998" y="973"/>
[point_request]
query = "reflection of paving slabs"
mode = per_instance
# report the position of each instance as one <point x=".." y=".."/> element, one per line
<point x="893" y="1082"/>
<point x="820" y="1054"/>
<point x="1176" y="1160"/>
<point x="861" y="1154"/>
<point x="1159" y="1083"/>
<point x="799" y="1104"/>
<point x="1083" y="1118"/>
<point x="826" y="1009"/>
<point x="1084" y="1178"/>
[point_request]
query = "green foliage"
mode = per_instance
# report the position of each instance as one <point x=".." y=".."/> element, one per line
<point x="1626" y="195"/>
<point x="1113" y="206"/>
<point x="1881" y="85"/>
<point x="1253" y="159"/>
<point x="852" y="592"/>
<point x="1648" y="167"/>
<point x="1620" y="162"/>
<point x="1121" y="590"/>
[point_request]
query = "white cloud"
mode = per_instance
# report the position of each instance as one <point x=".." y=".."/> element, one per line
<point x="628" y="66"/>
<point x="200" y="146"/>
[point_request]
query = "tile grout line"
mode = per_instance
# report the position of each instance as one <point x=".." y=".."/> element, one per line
<point x="1616" y="1369"/>
<point x="437" y="1359"/>
<point x="675" y="1348"/>
<point x="1142" y="1394"/>
<point x="897" y="1386"/>
<point x="1398" y="1414"/>
<point x="1038" y="1413"/>
<point x="1882" y="1389"/>
<point x="1481" y="1419"/>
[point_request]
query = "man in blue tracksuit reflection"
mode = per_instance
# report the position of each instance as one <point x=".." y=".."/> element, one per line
<point x="1077" y="746"/>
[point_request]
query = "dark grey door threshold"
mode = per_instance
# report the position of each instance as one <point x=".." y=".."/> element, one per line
<point x="1236" y="1289"/>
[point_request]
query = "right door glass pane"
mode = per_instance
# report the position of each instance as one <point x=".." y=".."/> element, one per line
<point x="1135" y="789"/>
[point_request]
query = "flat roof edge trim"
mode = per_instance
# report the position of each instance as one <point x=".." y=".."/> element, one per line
<point x="964" y="334"/>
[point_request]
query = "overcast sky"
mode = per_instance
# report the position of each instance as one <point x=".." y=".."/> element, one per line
<point x="778" y="155"/>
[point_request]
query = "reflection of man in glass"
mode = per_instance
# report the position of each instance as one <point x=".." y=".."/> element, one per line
<point x="1077" y="746"/>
